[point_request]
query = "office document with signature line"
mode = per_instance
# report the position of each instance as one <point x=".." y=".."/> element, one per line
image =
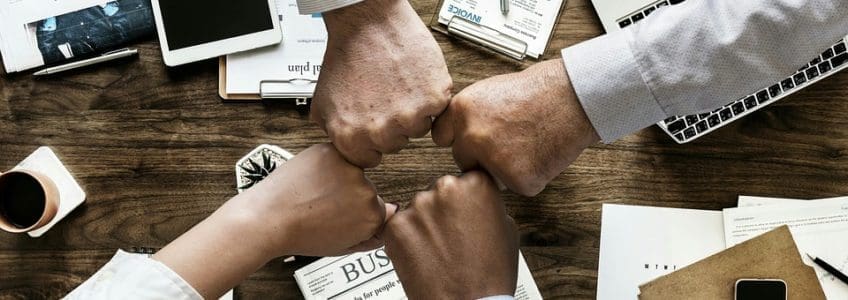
<point x="530" y="21"/>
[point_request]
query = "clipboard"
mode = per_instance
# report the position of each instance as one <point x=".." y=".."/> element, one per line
<point x="488" y="38"/>
<point x="300" y="90"/>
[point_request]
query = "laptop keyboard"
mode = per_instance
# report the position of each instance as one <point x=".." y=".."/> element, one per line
<point x="640" y="14"/>
<point x="687" y="128"/>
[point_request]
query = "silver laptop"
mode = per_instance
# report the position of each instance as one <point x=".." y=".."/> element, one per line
<point x="617" y="14"/>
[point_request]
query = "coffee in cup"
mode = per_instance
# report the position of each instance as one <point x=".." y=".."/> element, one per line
<point x="28" y="201"/>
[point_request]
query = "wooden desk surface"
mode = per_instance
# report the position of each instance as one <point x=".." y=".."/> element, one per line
<point x="155" y="148"/>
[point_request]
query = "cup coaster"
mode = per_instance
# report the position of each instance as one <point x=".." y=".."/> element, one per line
<point x="71" y="195"/>
<point x="258" y="164"/>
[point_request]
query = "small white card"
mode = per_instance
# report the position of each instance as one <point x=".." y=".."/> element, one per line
<point x="531" y="21"/>
<point x="71" y="195"/>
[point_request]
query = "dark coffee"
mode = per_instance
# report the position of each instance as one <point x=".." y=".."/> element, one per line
<point x="22" y="199"/>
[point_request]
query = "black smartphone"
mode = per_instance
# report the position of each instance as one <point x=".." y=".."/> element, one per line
<point x="761" y="289"/>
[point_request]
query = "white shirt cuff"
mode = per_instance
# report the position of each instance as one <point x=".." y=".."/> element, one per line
<point x="132" y="276"/>
<point x="606" y="77"/>
<point x="307" y="7"/>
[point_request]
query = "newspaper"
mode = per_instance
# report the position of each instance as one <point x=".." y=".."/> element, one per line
<point x="38" y="32"/>
<point x="371" y="275"/>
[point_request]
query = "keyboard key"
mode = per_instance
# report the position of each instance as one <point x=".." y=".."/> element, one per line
<point x="637" y="17"/>
<point x="726" y="114"/>
<point x="815" y="61"/>
<point x="738" y="108"/>
<point x="670" y="119"/>
<point x="750" y="102"/>
<point x="689" y="132"/>
<point x="678" y="137"/>
<point x="839" y="48"/>
<point x="662" y="4"/>
<point x="787" y="84"/>
<point x="839" y="60"/>
<point x="649" y="10"/>
<point x="677" y="126"/>
<point x="763" y="96"/>
<point x="800" y="79"/>
<point x="691" y="119"/>
<point x="703" y="116"/>
<point x="824" y="67"/>
<point x="827" y="54"/>
<point x="673" y="2"/>
<point x="812" y="73"/>
<point x="701" y="126"/>
<point x="624" y="23"/>
<point x="714" y="120"/>
<point x="774" y="90"/>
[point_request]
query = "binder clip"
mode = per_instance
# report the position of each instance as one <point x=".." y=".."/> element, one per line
<point x="486" y="37"/>
<point x="300" y="89"/>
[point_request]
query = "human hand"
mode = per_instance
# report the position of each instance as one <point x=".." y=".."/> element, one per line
<point x="318" y="204"/>
<point x="455" y="241"/>
<point x="382" y="79"/>
<point x="523" y="128"/>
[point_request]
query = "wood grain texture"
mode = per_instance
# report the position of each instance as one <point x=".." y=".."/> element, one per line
<point x="155" y="147"/>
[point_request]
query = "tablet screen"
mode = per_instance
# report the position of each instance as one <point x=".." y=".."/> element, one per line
<point x="193" y="22"/>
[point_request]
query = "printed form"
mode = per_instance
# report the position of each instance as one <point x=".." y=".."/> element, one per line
<point x="531" y="21"/>
<point x="819" y="228"/>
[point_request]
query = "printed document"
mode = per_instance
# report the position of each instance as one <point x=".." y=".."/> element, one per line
<point x="640" y="243"/>
<point x="298" y="57"/>
<point x="819" y="227"/>
<point x="530" y="21"/>
<point x="38" y="32"/>
<point x="371" y="275"/>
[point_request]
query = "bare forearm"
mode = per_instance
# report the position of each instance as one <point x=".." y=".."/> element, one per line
<point x="220" y="251"/>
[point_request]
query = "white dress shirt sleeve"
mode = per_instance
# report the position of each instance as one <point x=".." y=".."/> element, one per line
<point x="130" y="276"/>
<point x="697" y="56"/>
<point x="307" y="7"/>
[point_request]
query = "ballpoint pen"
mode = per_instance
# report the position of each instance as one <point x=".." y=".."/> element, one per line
<point x="111" y="55"/>
<point x="505" y="7"/>
<point x="830" y="269"/>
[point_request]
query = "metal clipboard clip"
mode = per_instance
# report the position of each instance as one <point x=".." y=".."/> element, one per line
<point x="300" y="89"/>
<point x="487" y="37"/>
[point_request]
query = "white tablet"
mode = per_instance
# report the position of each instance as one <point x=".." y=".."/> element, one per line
<point x="193" y="30"/>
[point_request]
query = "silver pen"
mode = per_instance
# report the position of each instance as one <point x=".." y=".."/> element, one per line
<point x="505" y="7"/>
<point x="111" y="55"/>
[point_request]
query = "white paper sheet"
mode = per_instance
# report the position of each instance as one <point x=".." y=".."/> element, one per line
<point x="299" y="56"/>
<point x="746" y="201"/>
<point x="530" y="21"/>
<point x="640" y="243"/>
<point x="820" y="228"/>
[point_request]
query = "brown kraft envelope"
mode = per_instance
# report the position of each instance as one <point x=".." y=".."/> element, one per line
<point x="770" y="255"/>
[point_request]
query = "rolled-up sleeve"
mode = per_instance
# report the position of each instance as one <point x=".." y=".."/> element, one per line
<point x="697" y="56"/>
<point x="318" y="6"/>
<point x="129" y="276"/>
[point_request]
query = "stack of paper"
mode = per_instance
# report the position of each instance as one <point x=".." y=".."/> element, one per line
<point x="639" y="244"/>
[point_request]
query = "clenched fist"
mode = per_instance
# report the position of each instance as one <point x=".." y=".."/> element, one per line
<point x="383" y="79"/>
<point x="455" y="241"/>
<point x="524" y="128"/>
